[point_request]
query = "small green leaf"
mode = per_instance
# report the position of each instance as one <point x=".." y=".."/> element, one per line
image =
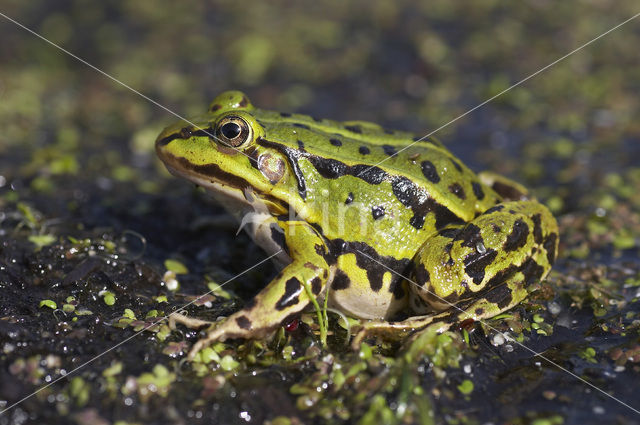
<point x="466" y="387"/>
<point x="49" y="303"/>
<point x="175" y="266"/>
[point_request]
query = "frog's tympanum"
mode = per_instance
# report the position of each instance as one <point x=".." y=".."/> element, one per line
<point x="385" y="232"/>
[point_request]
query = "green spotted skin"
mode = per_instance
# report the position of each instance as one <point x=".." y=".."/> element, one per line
<point x="351" y="212"/>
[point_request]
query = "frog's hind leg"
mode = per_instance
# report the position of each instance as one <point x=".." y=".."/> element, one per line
<point x="508" y="189"/>
<point x="479" y="269"/>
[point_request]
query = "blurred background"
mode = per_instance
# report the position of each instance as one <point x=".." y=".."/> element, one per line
<point x="77" y="160"/>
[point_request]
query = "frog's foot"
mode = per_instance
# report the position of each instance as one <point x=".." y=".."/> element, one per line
<point x="395" y="331"/>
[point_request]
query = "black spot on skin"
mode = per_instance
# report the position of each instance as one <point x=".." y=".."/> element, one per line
<point x="457" y="190"/>
<point x="316" y="285"/>
<point x="364" y="253"/>
<point x="277" y="235"/>
<point x="340" y="281"/>
<point x="518" y="236"/>
<point x="496" y="228"/>
<point x="429" y="171"/>
<point x="244" y="102"/>
<point x="300" y="145"/>
<point x="333" y="169"/>
<point x="410" y="195"/>
<point x="508" y="192"/>
<point x="470" y="236"/>
<point x="319" y="249"/>
<point x="349" y="198"/>
<point x="397" y="289"/>
<point x="537" y="228"/>
<point x="501" y="277"/>
<point x="492" y="210"/>
<point x="297" y="124"/>
<point x="422" y="275"/>
<point x="456" y="164"/>
<point x="354" y="128"/>
<point x="477" y="190"/>
<point x="451" y="232"/>
<point x="377" y="212"/>
<point x="479" y="311"/>
<point x="215" y="107"/>
<point x="243" y="322"/>
<point x="500" y="295"/>
<point x="335" y="142"/>
<point x="512" y="211"/>
<point x="285" y="114"/>
<point x="389" y="150"/>
<point x="532" y="271"/>
<point x="292" y="288"/>
<point x="550" y="246"/>
<point x="364" y="150"/>
<point x="475" y="264"/>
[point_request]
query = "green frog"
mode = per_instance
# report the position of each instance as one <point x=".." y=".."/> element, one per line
<point x="392" y="229"/>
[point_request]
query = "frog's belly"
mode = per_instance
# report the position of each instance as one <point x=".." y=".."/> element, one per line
<point x="358" y="299"/>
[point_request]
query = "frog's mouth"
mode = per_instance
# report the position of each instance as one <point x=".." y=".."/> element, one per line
<point x="209" y="176"/>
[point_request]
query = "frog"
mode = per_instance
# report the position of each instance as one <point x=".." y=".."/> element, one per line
<point x="381" y="225"/>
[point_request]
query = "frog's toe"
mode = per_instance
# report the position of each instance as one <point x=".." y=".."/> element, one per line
<point x="213" y="336"/>
<point x="187" y="321"/>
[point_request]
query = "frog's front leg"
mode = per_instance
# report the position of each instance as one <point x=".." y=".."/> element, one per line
<point x="479" y="269"/>
<point x="285" y="295"/>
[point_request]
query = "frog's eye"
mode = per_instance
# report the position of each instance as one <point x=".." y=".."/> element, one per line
<point x="234" y="131"/>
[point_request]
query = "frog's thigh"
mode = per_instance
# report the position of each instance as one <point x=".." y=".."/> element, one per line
<point x="491" y="260"/>
<point x="283" y="296"/>
<point x="506" y="188"/>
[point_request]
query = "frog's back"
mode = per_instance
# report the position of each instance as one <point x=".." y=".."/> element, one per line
<point x="363" y="157"/>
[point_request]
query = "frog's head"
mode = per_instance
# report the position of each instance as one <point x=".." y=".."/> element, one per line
<point x="227" y="153"/>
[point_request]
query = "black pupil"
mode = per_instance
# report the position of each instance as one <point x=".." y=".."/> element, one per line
<point x="230" y="130"/>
